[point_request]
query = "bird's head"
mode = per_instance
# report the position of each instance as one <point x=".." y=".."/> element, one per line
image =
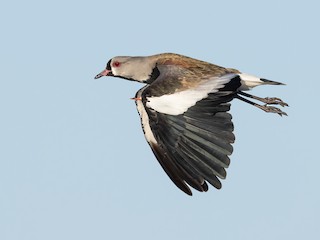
<point x="140" y="69"/>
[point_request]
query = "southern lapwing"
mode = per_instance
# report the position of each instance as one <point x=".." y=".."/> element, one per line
<point x="184" y="112"/>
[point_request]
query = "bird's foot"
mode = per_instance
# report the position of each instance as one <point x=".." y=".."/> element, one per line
<point x="275" y="101"/>
<point x="266" y="100"/>
<point x="270" y="109"/>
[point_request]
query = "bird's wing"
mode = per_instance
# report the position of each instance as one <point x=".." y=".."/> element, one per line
<point x="191" y="142"/>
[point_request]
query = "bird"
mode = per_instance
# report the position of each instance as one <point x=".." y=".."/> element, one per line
<point x="184" y="111"/>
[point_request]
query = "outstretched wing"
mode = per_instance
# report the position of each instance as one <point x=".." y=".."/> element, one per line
<point x="192" y="142"/>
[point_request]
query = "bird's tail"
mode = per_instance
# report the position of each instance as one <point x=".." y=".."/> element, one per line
<point x="269" y="82"/>
<point x="250" y="81"/>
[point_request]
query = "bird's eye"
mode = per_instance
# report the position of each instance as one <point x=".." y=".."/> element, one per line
<point x="116" y="64"/>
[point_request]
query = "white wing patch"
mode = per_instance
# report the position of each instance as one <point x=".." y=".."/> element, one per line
<point x="145" y="119"/>
<point x="179" y="102"/>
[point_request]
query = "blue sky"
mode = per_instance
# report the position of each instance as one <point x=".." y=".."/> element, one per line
<point x="74" y="163"/>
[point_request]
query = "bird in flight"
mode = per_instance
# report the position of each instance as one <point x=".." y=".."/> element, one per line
<point x="184" y="112"/>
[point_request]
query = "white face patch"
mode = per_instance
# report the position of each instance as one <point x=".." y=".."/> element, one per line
<point x="179" y="102"/>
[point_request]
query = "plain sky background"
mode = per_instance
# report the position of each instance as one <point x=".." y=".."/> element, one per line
<point x="73" y="160"/>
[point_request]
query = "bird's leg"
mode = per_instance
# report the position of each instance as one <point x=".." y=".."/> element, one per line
<point x="263" y="107"/>
<point x="267" y="100"/>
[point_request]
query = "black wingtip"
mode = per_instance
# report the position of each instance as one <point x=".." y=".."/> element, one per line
<point x="189" y="193"/>
<point x="172" y="170"/>
<point x="205" y="187"/>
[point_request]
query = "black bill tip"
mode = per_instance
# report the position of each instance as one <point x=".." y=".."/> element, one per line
<point x="98" y="76"/>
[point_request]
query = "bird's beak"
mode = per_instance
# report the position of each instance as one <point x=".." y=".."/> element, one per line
<point x="103" y="73"/>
